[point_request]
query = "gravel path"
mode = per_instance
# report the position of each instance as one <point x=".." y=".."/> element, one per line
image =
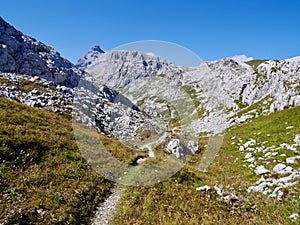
<point x="105" y="211"/>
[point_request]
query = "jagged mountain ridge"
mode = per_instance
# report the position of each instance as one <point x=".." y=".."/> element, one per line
<point x="36" y="75"/>
<point x="241" y="83"/>
<point x="119" y="68"/>
<point x="277" y="81"/>
<point x="20" y="53"/>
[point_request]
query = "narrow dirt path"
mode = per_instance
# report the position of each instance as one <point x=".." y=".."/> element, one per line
<point x="106" y="210"/>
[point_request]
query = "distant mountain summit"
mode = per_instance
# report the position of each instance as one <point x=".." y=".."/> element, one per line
<point x="20" y="53"/>
<point x="241" y="58"/>
<point x="120" y="67"/>
<point x="241" y="80"/>
<point x="92" y="55"/>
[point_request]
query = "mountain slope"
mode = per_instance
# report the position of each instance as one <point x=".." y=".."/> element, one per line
<point x="157" y="108"/>
<point x="119" y="68"/>
<point x="20" y="53"/>
<point x="227" y="199"/>
<point x="43" y="177"/>
<point x="231" y="85"/>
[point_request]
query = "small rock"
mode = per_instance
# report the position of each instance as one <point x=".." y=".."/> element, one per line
<point x="282" y="169"/>
<point x="193" y="147"/>
<point x="290" y="127"/>
<point x="292" y="160"/>
<point x="203" y="188"/>
<point x="260" y="170"/>
<point x="218" y="190"/>
<point x="259" y="188"/>
<point x="241" y="148"/>
<point x="251" y="166"/>
<point x="250" y="160"/>
<point x="141" y="160"/>
<point x="294" y="216"/>
<point x="251" y="142"/>
<point x="267" y="154"/>
<point x="279" y="167"/>
<point x="297" y="139"/>
<point x="248" y="155"/>
<point x="280" y="195"/>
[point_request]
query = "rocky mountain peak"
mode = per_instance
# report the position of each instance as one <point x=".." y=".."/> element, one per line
<point x="96" y="48"/>
<point x="118" y="68"/>
<point x="22" y="54"/>
<point x="241" y="58"/>
<point x="92" y="55"/>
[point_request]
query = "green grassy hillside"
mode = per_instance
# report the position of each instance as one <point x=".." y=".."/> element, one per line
<point x="45" y="180"/>
<point x="43" y="177"/>
<point x="176" y="201"/>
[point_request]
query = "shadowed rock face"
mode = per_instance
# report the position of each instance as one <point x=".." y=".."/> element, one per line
<point x="20" y="53"/>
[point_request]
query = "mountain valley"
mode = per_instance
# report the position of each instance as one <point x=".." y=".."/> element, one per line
<point x="158" y="125"/>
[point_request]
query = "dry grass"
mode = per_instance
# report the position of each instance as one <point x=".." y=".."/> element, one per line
<point x="43" y="177"/>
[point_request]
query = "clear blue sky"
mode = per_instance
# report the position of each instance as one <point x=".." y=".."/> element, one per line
<point x="212" y="29"/>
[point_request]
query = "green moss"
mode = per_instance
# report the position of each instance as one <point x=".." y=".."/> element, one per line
<point x="255" y="63"/>
<point x="24" y="85"/>
<point x="241" y="104"/>
<point x="193" y="95"/>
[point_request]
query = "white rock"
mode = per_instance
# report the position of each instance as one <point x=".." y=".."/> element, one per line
<point x="218" y="190"/>
<point x="248" y="155"/>
<point x="288" y="169"/>
<point x="289" y="147"/>
<point x="241" y="148"/>
<point x="203" y="188"/>
<point x="282" y="169"/>
<point x="292" y="160"/>
<point x="267" y="154"/>
<point x="279" y="167"/>
<point x="294" y="216"/>
<point x="260" y="170"/>
<point x="297" y="139"/>
<point x="250" y="160"/>
<point x="259" y="188"/>
<point x="193" y="147"/>
<point x="176" y="148"/>
<point x="280" y="195"/>
<point x="251" y="142"/>
<point x="251" y="166"/>
<point x="141" y="160"/>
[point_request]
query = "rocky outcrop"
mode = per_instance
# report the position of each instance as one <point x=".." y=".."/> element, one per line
<point x="274" y="178"/>
<point x="20" y="53"/>
<point x="36" y="75"/>
<point x="100" y="108"/>
<point x="229" y="84"/>
<point x="119" y="68"/>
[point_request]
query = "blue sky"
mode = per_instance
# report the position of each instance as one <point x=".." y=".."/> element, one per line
<point x="212" y="29"/>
